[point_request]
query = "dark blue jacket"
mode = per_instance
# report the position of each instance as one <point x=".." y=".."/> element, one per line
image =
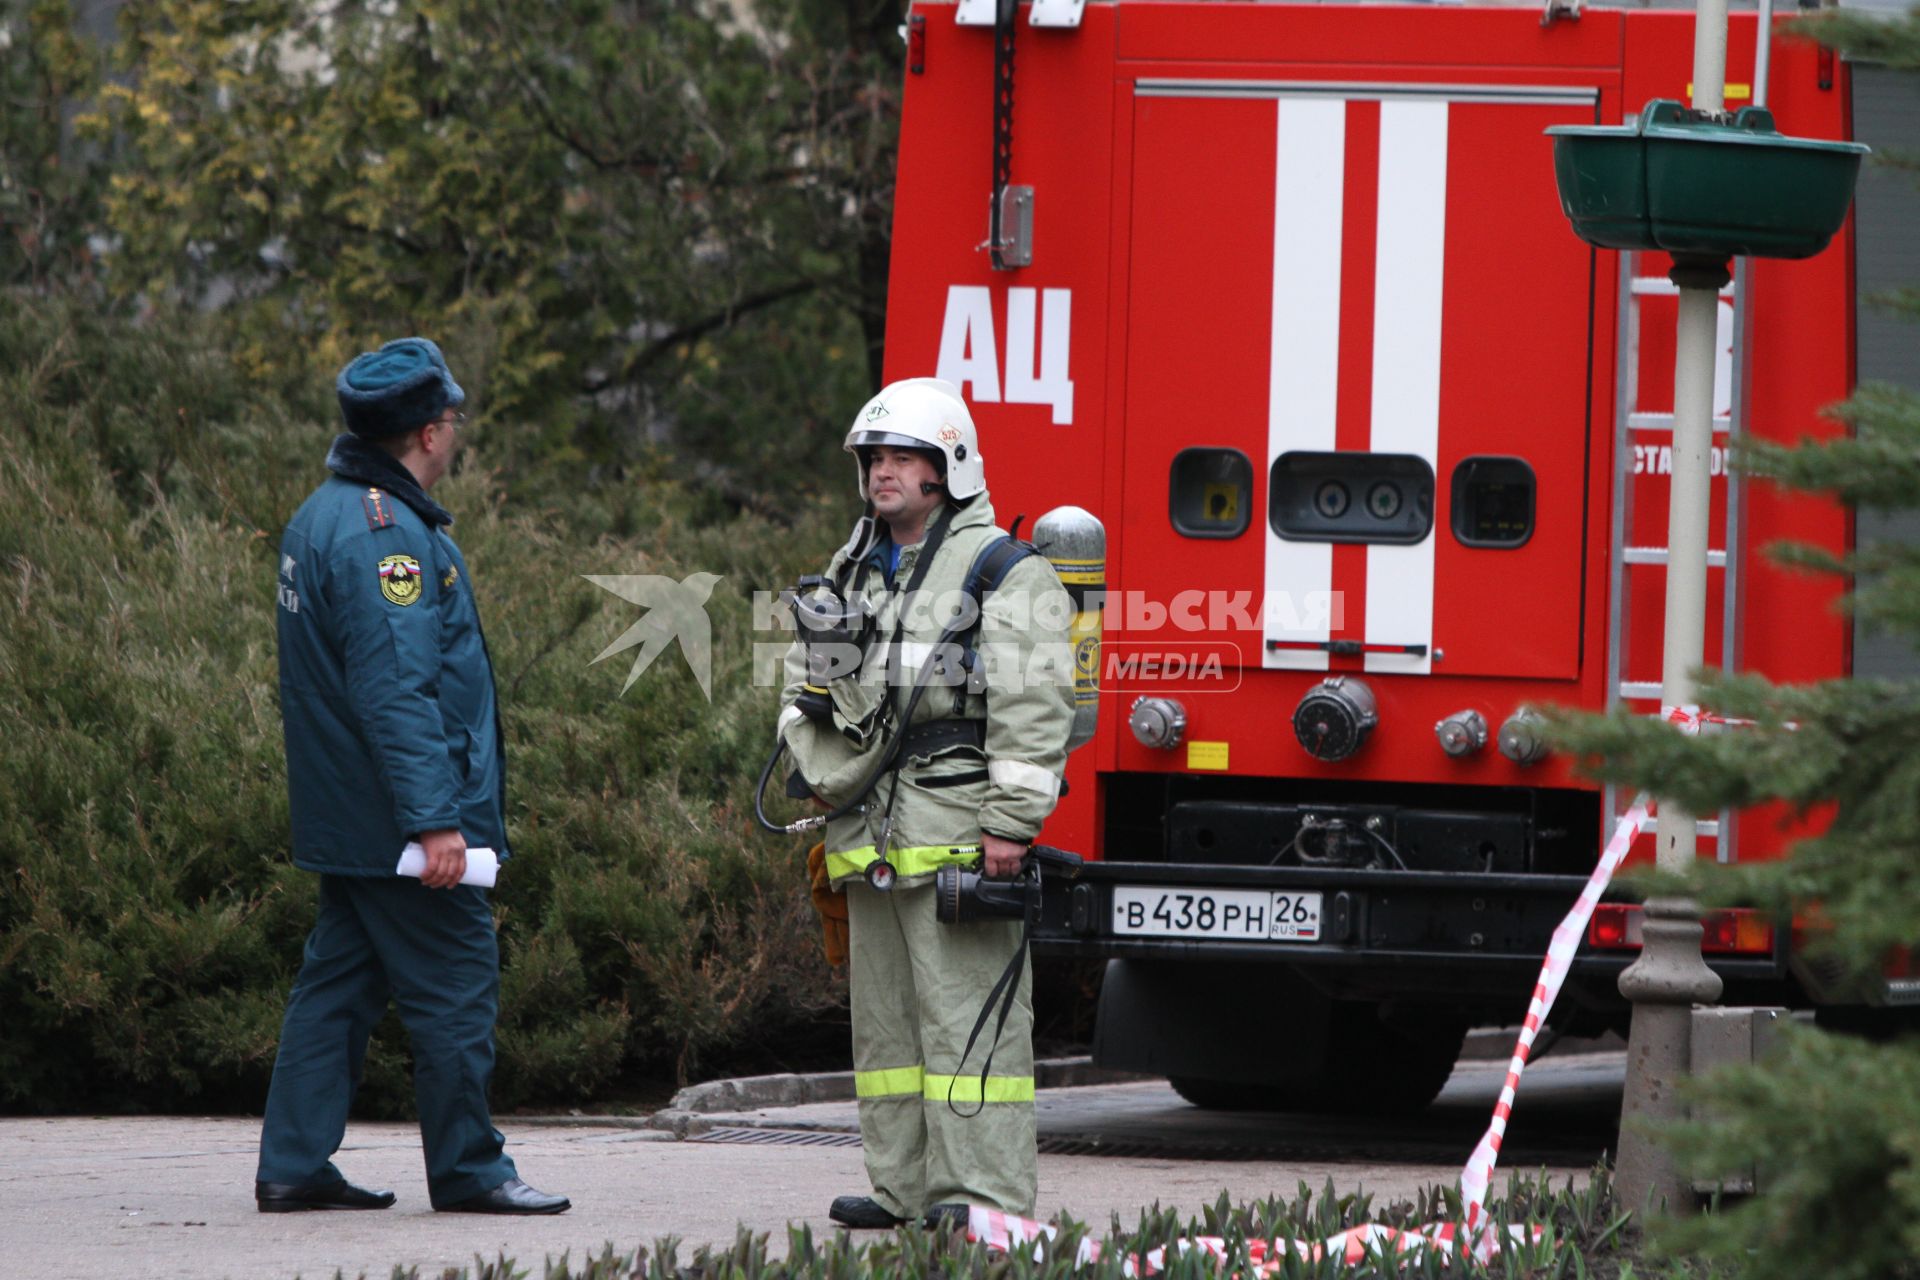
<point x="386" y="690"/>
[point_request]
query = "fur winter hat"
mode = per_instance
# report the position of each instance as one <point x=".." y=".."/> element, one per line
<point x="402" y="386"/>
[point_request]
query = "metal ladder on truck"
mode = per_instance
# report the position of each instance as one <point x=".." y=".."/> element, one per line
<point x="1727" y="553"/>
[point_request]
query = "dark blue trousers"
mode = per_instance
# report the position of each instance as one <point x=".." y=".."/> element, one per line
<point x="433" y="952"/>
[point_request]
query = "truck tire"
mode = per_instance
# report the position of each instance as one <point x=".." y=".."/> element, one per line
<point x="1372" y="1068"/>
<point x="1397" y="1066"/>
<point x="1229" y="1095"/>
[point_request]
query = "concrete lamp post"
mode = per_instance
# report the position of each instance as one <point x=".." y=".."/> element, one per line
<point x="1703" y="187"/>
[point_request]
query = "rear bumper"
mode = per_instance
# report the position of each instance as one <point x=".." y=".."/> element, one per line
<point x="1475" y="937"/>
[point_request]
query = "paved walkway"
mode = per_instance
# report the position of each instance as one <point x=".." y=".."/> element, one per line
<point x="171" y="1197"/>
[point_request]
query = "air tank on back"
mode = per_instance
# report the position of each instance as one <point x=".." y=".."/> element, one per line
<point x="1075" y="541"/>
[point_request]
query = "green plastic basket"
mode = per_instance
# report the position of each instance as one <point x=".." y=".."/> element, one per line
<point x="1687" y="184"/>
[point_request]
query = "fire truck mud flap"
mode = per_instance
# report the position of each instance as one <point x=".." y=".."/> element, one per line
<point x="1233" y="1037"/>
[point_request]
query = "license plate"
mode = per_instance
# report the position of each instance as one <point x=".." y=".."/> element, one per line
<point x="1234" y="915"/>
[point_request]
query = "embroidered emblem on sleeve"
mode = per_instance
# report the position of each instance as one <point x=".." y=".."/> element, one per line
<point x="400" y="579"/>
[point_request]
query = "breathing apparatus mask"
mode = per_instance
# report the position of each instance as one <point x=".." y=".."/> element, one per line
<point x="834" y="631"/>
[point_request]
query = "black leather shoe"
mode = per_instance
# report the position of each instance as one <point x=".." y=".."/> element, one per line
<point x="948" y="1217"/>
<point x="287" y="1197"/>
<point x="862" y="1213"/>
<point x="511" y="1196"/>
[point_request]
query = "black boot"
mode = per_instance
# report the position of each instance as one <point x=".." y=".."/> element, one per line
<point x="862" y="1213"/>
<point x="952" y="1216"/>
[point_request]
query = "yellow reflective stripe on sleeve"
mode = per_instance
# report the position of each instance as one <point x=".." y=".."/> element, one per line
<point x="893" y="1082"/>
<point x="911" y="861"/>
<point x="967" y="1088"/>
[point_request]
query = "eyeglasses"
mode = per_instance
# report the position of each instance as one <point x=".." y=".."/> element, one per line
<point x="457" y="421"/>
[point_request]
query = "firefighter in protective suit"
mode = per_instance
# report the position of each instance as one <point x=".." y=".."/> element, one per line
<point x="978" y="772"/>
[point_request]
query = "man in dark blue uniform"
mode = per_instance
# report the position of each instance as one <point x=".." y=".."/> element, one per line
<point x="392" y="736"/>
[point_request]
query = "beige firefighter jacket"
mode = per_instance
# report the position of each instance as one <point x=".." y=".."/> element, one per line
<point x="950" y="796"/>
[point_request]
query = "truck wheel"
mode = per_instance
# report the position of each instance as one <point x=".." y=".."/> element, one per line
<point x="1229" y="1095"/>
<point x="1373" y="1068"/>
<point x="1389" y="1068"/>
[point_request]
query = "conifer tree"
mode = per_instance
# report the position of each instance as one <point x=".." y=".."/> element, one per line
<point x="1832" y="1120"/>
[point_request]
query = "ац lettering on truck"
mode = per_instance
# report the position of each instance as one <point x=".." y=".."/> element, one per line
<point x="1381" y="455"/>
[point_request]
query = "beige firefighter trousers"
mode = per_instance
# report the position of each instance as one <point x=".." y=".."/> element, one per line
<point x="933" y="1134"/>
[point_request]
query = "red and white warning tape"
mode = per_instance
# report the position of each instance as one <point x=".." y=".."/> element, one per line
<point x="1553" y="975"/>
<point x="1693" y="722"/>
<point x="1005" y="1231"/>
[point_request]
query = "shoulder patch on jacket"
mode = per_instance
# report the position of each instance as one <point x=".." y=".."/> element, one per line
<point x="378" y="507"/>
<point x="400" y="579"/>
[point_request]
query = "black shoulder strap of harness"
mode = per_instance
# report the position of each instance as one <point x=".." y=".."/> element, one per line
<point x="931" y="547"/>
<point x="991" y="567"/>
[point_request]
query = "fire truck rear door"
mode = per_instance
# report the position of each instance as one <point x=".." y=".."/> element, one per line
<point x="1381" y="272"/>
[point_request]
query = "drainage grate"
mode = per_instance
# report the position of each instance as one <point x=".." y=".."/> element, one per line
<point x="778" y="1137"/>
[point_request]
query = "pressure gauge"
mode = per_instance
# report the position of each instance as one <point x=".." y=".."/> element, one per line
<point x="1334" y="719"/>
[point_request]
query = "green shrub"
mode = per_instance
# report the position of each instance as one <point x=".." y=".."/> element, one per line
<point x="150" y="920"/>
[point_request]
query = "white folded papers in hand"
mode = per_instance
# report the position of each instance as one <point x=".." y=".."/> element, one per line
<point x="483" y="865"/>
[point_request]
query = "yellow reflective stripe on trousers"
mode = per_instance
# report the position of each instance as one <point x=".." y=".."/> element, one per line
<point x="967" y="1088"/>
<point x="916" y="860"/>
<point x="889" y="1083"/>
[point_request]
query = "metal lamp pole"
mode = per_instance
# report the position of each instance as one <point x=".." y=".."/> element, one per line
<point x="1669" y="977"/>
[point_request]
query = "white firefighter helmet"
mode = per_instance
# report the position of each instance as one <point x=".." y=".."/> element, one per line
<point x="922" y="413"/>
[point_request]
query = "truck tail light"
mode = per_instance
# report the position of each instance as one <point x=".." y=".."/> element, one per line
<point x="1616" y="926"/>
<point x="1738" y="932"/>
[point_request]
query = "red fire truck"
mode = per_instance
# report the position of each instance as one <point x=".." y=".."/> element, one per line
<point x="1283" y="293"/>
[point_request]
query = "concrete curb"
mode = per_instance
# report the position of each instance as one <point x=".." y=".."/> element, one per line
<point x="751" y="1093"/>
<point x="701" y="1108"/>
<point x="694" y="1108"/>
<point x="1496" y="1044"/>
